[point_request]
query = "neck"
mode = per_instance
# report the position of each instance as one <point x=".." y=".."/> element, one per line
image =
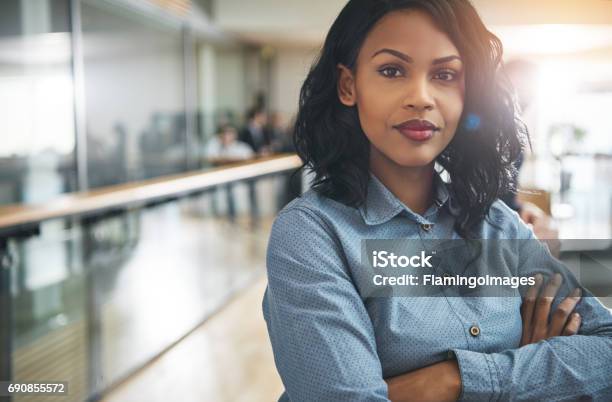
<point x="413" y="186"/>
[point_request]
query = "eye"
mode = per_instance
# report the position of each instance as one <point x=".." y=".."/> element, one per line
<point x="390" y="72"/>
<point x="445" y="75"/>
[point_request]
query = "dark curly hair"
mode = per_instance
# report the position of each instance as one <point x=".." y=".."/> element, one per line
<point x="490" y="137"/>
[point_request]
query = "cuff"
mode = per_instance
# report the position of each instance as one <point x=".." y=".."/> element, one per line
<point x="479" y="376"/>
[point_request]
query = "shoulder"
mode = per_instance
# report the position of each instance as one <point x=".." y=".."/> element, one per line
<point x="313" y="215"/>
<point x="506" y="222"/>
<point x="500" y="211"/>
<point x="319" y="207"/>
<point x="305" y="239"/>
<point x="243" y="149"/>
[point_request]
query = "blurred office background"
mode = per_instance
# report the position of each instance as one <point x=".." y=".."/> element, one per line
<point x="145" y="149"/>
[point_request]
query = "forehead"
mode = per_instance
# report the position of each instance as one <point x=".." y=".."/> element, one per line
<point x="412" y="32"/>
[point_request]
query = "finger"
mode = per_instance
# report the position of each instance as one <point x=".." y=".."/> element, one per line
<point x="552" y="286"/>
<point x="527" y="308"/>
<point x="573" y="325"/>
<point x="542" y="308"/>
<point x="526" y="216"/>
<point x="563" y="311"/>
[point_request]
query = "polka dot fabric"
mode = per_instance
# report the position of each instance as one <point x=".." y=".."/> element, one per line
<point x="332" y="342"/>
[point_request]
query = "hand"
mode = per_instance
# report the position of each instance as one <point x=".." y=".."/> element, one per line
<point x="536" y="309"/>
<point x="440" y="382"/>
<point x="531" y="213"/>
<point x="542" y="225"/>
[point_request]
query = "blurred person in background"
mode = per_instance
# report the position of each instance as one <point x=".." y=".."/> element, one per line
<point x="283" y="140"/>
<point x="523" y="77"/>
<point x="255" y="132"/>
<point x="280" y="133"/>
<point x="226" y="148"/>
<point x="257" y="136"/>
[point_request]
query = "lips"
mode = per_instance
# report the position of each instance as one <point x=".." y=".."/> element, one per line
<point x="417" y="130"/>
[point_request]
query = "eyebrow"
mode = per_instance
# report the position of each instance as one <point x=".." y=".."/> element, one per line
<point x="409" y="59"/>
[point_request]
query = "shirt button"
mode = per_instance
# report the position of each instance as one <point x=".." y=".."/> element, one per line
<point x="450" y="355"/>
<point x="474" y="330"/>
<point x="426" y="226"/>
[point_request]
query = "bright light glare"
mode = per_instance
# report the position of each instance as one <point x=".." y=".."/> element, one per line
<point x="556" y="82"/>
<point x="563" y="99"/>
<point x="545" y="39"/>
<point x="38" y="114"/>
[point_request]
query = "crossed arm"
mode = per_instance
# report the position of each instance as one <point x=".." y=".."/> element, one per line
<point x="324" y="343"/>
<point x="441" y="382"/>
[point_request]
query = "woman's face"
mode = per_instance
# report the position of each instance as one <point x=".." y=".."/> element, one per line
<point x="408" y="88"/>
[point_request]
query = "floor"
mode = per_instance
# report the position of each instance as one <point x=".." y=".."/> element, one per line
<point x="228" y="358"/>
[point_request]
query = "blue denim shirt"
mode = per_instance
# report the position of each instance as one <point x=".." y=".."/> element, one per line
<point x="331" y="343"/>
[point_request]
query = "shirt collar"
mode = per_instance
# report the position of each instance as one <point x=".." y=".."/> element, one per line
<point x="381" y="205"/>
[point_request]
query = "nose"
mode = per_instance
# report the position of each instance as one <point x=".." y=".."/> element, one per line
<point x="418" y="96"/>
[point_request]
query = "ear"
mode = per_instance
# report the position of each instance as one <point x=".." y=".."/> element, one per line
<point x="346" y="86"/>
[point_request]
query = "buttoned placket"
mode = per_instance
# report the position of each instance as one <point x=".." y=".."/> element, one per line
<point x="427" y="231"/>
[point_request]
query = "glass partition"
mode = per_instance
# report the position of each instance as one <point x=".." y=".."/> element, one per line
<point x="37" y="145"/>
<point x="93" y="300"/>
<point x="134" y="94"/>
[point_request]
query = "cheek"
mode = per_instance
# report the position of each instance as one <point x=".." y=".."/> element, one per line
<point x="452" y="107"/>
<point x="375" y="106"/>
<point x="369" y="118"/>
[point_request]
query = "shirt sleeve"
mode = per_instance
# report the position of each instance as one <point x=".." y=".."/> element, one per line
<point x="562" y="368"/>
<point x="321" y="334"/>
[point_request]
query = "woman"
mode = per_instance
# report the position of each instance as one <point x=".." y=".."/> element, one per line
<point x="399" y="86"/>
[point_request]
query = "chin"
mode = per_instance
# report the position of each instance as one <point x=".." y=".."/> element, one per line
<point x="414" y="160"/>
